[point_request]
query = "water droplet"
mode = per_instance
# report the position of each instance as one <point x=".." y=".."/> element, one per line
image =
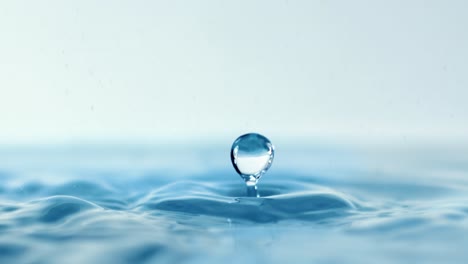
<point x="251" y="156"/>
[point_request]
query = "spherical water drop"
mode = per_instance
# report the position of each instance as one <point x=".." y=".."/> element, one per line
<point x="251" y="156"/>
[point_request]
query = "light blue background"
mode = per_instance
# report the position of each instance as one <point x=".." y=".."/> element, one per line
<point x="191" y="70"/>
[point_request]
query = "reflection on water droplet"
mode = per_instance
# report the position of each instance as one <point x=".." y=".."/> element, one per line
<point x="251" y="156"/>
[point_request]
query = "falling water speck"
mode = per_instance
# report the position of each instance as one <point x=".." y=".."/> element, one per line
<point x="251" y="156"/>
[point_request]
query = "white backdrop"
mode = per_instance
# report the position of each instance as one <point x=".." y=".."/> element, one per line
<point x="170" y="70"/>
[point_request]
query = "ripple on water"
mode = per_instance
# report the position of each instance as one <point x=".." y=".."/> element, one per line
<point x="58" y="208"/>
<point x="50" y="210"/>
<point x="278" y="203"/>
<point x="8" y="250"/>
<point x="128" y="224"/>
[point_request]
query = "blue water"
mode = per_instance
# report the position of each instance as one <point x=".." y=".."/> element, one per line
<point x="185" y="204"/>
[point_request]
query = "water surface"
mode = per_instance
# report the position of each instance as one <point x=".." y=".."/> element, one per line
<point x="161" y="204"/>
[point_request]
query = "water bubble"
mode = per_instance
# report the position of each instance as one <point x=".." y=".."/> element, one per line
<point x="251" y="156"/>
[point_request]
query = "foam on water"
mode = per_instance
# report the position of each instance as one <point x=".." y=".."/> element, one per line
<point x="90" y="209"/>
